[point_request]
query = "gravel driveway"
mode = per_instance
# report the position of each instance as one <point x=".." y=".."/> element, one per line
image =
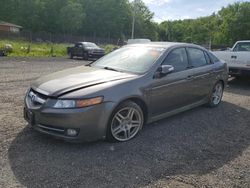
<point x="202" y="147"/>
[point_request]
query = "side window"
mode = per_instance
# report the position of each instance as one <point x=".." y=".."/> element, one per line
<point x="208" y="58"/>
<point x="178" y="59"/>
<point x="242" y="47"/>
<point x="78" y="45"/>
<point x="197" y="57"/>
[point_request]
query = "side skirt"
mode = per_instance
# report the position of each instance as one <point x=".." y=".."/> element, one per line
<point x="179" y="110"/>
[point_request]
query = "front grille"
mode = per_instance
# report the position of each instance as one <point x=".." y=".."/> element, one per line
<point x="37" y="98"/>
<point x="98" y="52"/>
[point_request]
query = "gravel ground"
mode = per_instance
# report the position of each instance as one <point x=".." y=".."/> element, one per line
<point x="202" y="147"/>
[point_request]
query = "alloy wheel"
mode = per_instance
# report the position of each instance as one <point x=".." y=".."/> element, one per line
<point x="126" y="123"/>
<point x="217" y="93"/>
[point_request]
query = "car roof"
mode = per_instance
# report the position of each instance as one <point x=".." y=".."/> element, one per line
<point x="243" y="41"/>
<point x="86" y="42"/>
<point x="166" y="45"/>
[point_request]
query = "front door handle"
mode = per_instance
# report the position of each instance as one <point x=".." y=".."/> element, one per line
<point x="234" y="57"/>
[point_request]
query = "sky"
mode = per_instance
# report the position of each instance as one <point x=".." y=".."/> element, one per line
<point x="185" y="9"/>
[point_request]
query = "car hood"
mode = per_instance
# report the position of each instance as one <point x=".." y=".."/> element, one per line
<point x="63" y="82"/>
<point x="94" y="48"/>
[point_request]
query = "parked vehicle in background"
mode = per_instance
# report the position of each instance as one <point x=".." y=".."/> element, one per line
<point x="138" y="41"/>
<point x="86" y="50"/>
<point x="116" y="95"/>
<point x="2" y="53"/>
<point x="237" y="58"/>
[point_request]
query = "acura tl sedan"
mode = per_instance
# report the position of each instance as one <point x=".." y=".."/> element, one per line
<point x="115" y="96"/>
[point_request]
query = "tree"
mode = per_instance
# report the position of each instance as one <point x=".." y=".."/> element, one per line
<point x="71" y="17"/>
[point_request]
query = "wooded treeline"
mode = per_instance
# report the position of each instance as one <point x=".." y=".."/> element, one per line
<point x="102" y="18"/>
<point x="230" y="24"/>
<point x="113" y="19"/>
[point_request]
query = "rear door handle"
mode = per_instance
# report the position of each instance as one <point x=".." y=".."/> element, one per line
<point x="211" y="72"/>
<point x="234" y="57"/>
<point x="190" y="77"/>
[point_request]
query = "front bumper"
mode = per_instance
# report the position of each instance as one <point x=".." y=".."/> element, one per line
<point x="90" y="123"/>
<point x="95" y="55"/>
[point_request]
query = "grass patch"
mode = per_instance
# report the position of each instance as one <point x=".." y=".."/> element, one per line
<point x="26" y="49"/>
<point x="108" y="48"/>
<point x="22" y="48"/>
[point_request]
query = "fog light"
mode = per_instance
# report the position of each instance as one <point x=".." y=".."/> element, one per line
<point x="71" y="132"/>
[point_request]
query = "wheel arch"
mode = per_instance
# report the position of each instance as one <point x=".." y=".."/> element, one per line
<point x="139" y="102"/>
<point x="223" y="82"/>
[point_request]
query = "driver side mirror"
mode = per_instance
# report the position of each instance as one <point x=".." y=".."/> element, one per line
<point x="163" y="70"/>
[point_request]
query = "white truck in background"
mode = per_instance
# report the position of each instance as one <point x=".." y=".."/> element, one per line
<point x="237" y="58"/>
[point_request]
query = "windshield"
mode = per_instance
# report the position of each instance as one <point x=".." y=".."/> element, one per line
<point x="90" y="45"/>
<point x="130" y="59"/>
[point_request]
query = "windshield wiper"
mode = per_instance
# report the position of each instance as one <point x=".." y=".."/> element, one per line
<point x="112" y="69"/>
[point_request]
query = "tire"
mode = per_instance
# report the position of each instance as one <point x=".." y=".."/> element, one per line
<point x="216" y="95"/>
<point x="238" y="77"/>
<point x="86" y="56"/>
<point x="125" y="122"/>
<point x="71" y="55"/>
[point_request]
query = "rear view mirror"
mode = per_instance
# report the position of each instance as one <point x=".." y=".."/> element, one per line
<point x="166" y="69"/>
<point x="163" y="70"/>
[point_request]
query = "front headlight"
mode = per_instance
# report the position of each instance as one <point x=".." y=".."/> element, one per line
<point x="81" y="103"/>
<point x="65" y="104"/>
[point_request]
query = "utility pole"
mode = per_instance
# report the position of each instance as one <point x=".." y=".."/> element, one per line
<point x="133" y="22"/>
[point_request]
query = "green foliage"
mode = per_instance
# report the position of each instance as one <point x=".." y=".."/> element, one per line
<point x="113" y="19"/>
<point x="144" y="26"/>
<point x="109" y="48"/>
<point x="98" y="18"/>
<point x="26" y="49"/>
<point x="230" y="24"/>
<point x="71" y="16"/>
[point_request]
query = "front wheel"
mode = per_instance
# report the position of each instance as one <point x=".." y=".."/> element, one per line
<point x="71" y="55"/>
<point x="86" y="56"/>
<point x="216" y="95"/>
<point x="125" y="122"/>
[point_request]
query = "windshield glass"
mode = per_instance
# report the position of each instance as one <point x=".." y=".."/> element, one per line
<point x="88" y="44"/>
<point x="130" y="59"/>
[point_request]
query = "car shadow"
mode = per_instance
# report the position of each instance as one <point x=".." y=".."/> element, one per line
<point x="194" y="142"/>
<point x="240" y="86"/>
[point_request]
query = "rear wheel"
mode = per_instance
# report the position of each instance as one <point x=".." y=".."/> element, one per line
<point x="125" y="122"/>
<point x="216" y="95"/>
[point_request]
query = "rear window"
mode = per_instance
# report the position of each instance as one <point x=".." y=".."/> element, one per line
<point x="213" y="58"/>
<point x="197" y="57"/>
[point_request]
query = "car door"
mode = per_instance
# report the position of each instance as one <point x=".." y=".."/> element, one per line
<point x="241" y="54"/>
<point x="175" y="89"/>
<point x="79" y="49"/>
<point x="203" y="73"/>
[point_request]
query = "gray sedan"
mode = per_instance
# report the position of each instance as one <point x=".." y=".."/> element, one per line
<point x="115" y="96"/>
